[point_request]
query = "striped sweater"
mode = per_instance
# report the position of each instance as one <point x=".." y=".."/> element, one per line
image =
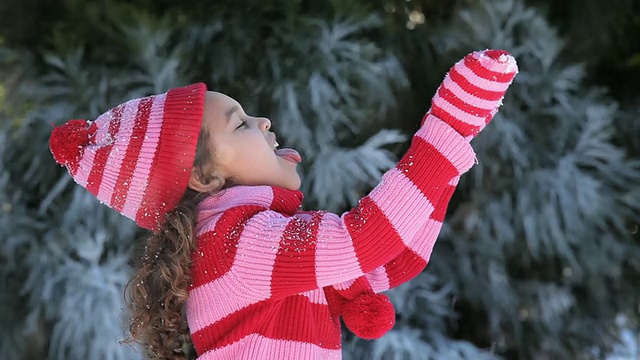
<point x="262" y="267"/>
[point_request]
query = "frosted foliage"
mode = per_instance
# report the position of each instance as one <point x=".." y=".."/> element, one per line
<point x="628" y="348"/>
<point x="424" y="296"/>
<point x="323" y="92"/>
<point x="350" y="170"/>
<point x="10" y="304"/>
<point x="550" y="195"/>
<point x="341" y="81"/>
<point x="75" y="337"/>
<point x="337" y="78"/>
<point x="405" y="343"/>
<point x="535" y="231"/>
<point x="67" y="265"/>
<point x="424" y="307"/>
<point x="74" y="251"/>
<point x="160" y="66"/>
<point x="76" y="282"/>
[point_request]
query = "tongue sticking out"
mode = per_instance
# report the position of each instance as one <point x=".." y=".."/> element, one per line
<point x="289" y="154"/>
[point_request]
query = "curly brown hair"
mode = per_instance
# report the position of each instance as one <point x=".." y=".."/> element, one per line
<point x="157" y="292"/>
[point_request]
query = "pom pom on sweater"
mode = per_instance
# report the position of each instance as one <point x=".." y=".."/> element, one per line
<point x="369" y="316"/>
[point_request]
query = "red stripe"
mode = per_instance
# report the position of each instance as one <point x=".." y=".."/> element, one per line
<point x="427" y="168"/>
<point x="294" y="269"/>
<point x="404" y="267"/>
<point x="471" y="88"/>
<point x="294" y="318"/>
<point x="74" y="165"/>
<point x="464" y="107"/>
<point x="130" y="159"/>
<point x="462" y="127"/>
<point x="441" y="208"/>
<point x="288" y="200"/>
<point x="371" y="231"/>
<point x="409" y="264"/>
<point x="180" y="124"/>
<point x="474" y="65"/>
<point x="216" y="249"/>
<point x="102" y="154"/>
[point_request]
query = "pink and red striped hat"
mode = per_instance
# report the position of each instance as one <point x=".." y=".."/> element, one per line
<point x="136" y="158"/>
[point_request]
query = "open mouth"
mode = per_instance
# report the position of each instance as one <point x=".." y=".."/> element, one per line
<point x="289" y="154"/>
<point x="285" y="153"/>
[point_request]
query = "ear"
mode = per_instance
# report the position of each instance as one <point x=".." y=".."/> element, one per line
<point x="205" y="184"/>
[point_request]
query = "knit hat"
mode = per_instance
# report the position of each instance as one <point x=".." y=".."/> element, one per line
<point x="136" y="158"/>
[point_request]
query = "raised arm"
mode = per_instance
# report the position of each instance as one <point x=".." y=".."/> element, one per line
<point x="413" y="260"/>
<point x="468" y="98"/>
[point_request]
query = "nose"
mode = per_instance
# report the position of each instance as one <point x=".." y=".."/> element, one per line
<point x="264" y="124"/>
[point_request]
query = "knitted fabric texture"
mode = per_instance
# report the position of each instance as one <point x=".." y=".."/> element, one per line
<point x="136" y="158"/>
<point x="467" y="99"/>
<point x="260" y="266"/>
<point x="270" y="281"/>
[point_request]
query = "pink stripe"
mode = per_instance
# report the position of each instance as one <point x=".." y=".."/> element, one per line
<point x="401" y="214"/>
<point x="257" y="250"/>
<point x="468" y="98"/>
<point x="215" y="300"/>
<point x="429" y="231"/>
<point x="459" y="114"/>
<point x="336" y="258"/>
<point x="258" y="347"/>
<point x="85" y="165"/>
<point x="378" y="279"/>
<point x="478" y="81"/>
<point x="253" y="264"/>
<point x="208" y="225"/>
<point x="101" y="139"/>
<point x="139" y="180"/>
<point x="122" y="139"/>
<point x="423" y="242"/>
<point x="102" y="133"/>
<point x="344" y="285"/>
<point x="448" y="142"/>
<point x="232" y="197"/>
<point x="315" y="296"/>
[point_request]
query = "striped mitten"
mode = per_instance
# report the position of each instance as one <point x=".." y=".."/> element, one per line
<point x="472" y="91"/>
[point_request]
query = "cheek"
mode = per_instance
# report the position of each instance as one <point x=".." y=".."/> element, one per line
<point x="222" y="155"/>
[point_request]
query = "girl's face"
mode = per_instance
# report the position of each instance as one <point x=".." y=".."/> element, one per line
<point x="244" y="150"/>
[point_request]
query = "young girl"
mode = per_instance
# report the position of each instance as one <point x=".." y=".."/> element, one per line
<point x="256" y="277"/>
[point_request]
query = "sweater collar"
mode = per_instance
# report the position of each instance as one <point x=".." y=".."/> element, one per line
<point x="270" y="197"/>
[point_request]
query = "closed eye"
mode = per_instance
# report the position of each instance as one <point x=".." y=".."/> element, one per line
<point x="242" y="124"/>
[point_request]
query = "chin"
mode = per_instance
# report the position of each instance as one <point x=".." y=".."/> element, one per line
<point x="293" y="185"/>
<point x="297" y="187"/>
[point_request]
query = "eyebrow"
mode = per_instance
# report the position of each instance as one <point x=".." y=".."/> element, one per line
<point x="229" y="112"/>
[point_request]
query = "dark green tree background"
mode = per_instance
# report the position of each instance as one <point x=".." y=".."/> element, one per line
<point x="539" y="256"/>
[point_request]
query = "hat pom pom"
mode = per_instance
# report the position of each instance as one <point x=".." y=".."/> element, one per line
<point x="369" y="316"/>
<point x="67" y="141"/>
